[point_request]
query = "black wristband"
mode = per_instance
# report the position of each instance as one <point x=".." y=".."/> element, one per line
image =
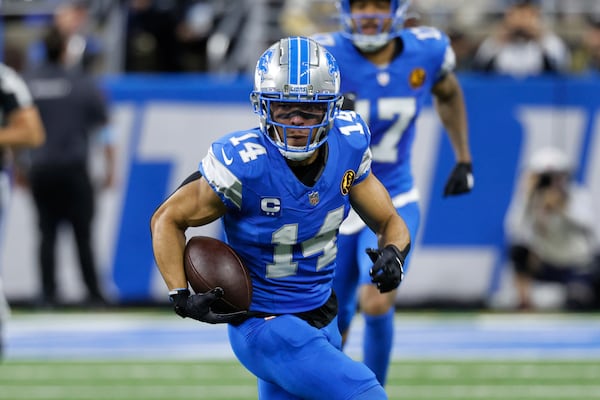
<point x="178" y="292"/>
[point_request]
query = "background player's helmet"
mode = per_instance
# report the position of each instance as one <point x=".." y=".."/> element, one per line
<point x="398" y="9"/>
<point x="296" y="69"/>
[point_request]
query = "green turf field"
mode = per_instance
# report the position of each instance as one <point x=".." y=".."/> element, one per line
<point x="130" y="380"/>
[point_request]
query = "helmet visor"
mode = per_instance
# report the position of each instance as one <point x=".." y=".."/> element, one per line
<point x="297" y="125"/>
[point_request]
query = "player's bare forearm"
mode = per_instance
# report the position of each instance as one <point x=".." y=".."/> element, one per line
<point x="168" y="253"/>
<point x="372" y="202"/>
<point x="193" y="204"/>
<point x="450" y="106"/>
<point x="168" y="242"/>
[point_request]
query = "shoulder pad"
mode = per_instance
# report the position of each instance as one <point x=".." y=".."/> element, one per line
<point x="239" y="147"/>
<point x="349" y="123"/>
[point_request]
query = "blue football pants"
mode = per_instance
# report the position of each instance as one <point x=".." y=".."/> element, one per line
<point x="294" y="360"/>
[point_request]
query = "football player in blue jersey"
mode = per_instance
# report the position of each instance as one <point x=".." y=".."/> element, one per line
<point x="390" y="71"/>
<point x="283" y="190"/>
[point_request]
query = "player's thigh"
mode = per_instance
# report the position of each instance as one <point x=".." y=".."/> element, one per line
<point x="345" y="282"/>
<point x="411" y="214"/>
<point x="366" y="240"/>
<point x="346" y="270"/>
<point x="302" y="360"/>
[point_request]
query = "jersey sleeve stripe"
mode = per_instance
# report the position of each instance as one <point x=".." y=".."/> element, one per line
<point x="365" y="164"/>
<point x="222" y="179"/>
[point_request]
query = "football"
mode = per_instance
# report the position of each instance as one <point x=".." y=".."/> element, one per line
<point x="209" y="263"/>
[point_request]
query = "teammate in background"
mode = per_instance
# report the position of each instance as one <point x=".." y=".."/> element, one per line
<point x="20" y="127"/>
<point x="391" y="71"/>
<point x="283" y="189"/>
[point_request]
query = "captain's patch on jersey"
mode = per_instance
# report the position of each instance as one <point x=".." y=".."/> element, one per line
<point x="270" y="206"/>
<point x="417" y="78"/>
<point x="347" y="181"/>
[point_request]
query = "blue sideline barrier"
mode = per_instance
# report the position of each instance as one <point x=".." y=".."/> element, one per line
<point x="505" y="116"/>
<point x="166" y="123"/>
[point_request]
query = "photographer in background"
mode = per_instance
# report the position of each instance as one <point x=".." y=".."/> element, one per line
<point x="550" y="230"/>
<point x="521" y="45"/>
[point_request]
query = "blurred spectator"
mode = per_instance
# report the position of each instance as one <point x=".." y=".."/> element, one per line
<point x="550" y="230"/>
<point x="20" y="127"/>
<point x="464" y="48"/>
<point x="72" y="109"/>
<point x="151" y="40"/>
<point x="304" y="18"/>
<point x="522" y="45"/>
<point x="591" y="44"/>
<point x="195" y="25"/>
<point x="84" y="49"/>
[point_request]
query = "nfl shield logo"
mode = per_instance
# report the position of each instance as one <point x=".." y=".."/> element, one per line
<point x="313" y="198"/>
<point x="383" y="78"/>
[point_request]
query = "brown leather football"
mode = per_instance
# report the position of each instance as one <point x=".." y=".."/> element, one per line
<point x="209" y="263"/>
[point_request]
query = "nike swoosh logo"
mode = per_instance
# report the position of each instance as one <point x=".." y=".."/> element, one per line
<point x="228" y="161"/>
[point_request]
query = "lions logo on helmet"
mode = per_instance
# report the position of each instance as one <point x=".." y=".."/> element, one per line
<point x="372" y="42"/>
<point x="334" y="70"/>
<point x="263" y="63"/>
<point x="296" y="70"/>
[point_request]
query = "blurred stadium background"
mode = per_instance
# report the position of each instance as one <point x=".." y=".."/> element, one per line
<point x="166" y="109"/>
<point x="167" y="106"/>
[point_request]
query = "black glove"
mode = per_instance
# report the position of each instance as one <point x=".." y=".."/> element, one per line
<point x="197" y="306"/>
<point x="460" y="180"/>
<point x="387" y="271"/>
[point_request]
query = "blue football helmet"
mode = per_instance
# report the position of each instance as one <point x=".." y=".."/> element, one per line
<point x="296" y="70"/>
<point x="370" y="42"/>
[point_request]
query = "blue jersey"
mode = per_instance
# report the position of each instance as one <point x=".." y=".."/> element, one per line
<point x="390" y="98"/>
<point x="285" y="231"/>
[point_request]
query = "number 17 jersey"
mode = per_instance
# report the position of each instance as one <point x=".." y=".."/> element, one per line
<point x="389" y="98"/>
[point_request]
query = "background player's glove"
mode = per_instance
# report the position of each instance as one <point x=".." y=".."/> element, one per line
<point x="460" y="180"/>
<point x="387" y="271"/>
<point x="197" y="306"/>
